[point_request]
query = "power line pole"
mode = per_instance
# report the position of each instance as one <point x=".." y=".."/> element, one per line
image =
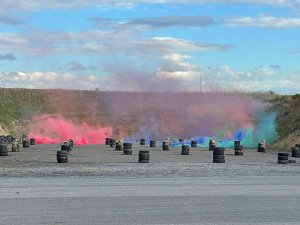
<point x="200" y="83"/>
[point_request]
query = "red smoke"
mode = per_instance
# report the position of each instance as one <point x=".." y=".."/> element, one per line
<point x="49" y="129"/>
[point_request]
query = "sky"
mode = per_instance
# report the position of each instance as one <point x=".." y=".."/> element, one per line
<point x="143" y="45"/>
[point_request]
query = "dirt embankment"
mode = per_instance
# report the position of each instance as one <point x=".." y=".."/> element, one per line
<point x="287" y="121"/>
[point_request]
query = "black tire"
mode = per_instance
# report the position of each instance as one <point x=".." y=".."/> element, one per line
<point x="218" y="152"/>
<point x="127" y="152"/>
<point x="218" y="160"/>
<point x="62" y="160"/>
<point x="152" y="144"/>
<point x="143" y="161"/>
<point x="297" y="145"/>
<point x="62" y="157"/>
<point x="239" y="153"/>
<point x="62" y="153"/>
<point x="166" y="147"/>
<point x="142" y="142"/>
<point x="118" y="147"/>
<point x="193" y="144"/>
<point x="107" y="141"/>
<point x="283" y="161"/>
<point x="283" y="158"/>
<point x="32" y="141"/>
<point x="238" y="148"/>
<point x="3" y="147"/>
<point x="127" y="145"/>
<point x="237" y="142"/>
<point x="144" y="155"/>
<point x="292" y="161"/>
<point x="296" y="153"/>
<point x="3" y="153"/>
<point x="65" y="147"/>
<point x="218" y="157"/>
<point x="25" y="144"/>
<point x="283" y="154"/>
<point x="185" y="152"/>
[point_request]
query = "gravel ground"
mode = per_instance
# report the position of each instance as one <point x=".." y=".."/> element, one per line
<point x="103" y="161"/>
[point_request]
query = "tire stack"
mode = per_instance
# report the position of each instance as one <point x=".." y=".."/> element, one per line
<point x="25" y="143"/>
<point x="62" y="156"/>
<point x="260" y="148"/>
<point x="127" y="148"/>
<point x="65" y="147"/>
<point x="185" y="150"/>
<point x="165" y="146"/>
<point x="193" y="144"/>
<point x="32" y="141"/>
<point x="238" y="148"/>
<point x="218" y="155"/>
<point x="3" y="149"/>
<point x="283" y="158"/>
<point x="152" y="144"/>
<point x="107" y="141"/>
<point x="142" y="142"/>
<point x="211" y="147"/>
<point x="144" y="156"/>
<point x="296" y="152"/>
<point x="112" y="143"/>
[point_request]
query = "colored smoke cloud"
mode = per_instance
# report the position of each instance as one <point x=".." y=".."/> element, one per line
<point x="49" y="129"/>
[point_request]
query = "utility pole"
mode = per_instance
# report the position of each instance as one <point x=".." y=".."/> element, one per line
<point x="200" y="83"/>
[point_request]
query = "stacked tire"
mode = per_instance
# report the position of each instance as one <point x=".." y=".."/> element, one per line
<point x="185" y="150"/>
<point x="25" y="143"/>
<point x="112" y="143"/>
<point x="193" y="144"/>
<point x="142" y="142"/>
<point x="296" y="152"/>
<point x="144" y="156"/>
<point x="32" y="141"/>
<point x="260" y="148"/>
<point x="238" y="149"/>
<point x="3" y="149"/>
<point x="127" y="148"/>
<point x="283" y="158"/>
<point x="62" y="156"/>
<point x="152" y="144"/>
<point x="165" y="146"/>
<point x="218" y="155"/>
<point x="107" y="141"/>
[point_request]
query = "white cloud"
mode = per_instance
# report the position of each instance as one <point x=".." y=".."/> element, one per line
<point x="264" y="22"/>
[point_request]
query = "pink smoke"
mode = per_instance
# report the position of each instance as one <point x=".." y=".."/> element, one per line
<point x="49" y="129"/>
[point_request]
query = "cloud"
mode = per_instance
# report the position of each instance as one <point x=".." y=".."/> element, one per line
<point x="7" y="19"/>
<point x="76" y="66"/>
<point x="8" y="56"/>
<point x="263" y="22"/>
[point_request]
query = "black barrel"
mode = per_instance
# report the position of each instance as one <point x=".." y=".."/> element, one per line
<point x="185" y="150"/>
<point x="62" y="156"/>
<point x="180" y="140"/>
<point x="107" y="141"/>
<point x="25" y="143"/>
<point x="127" y="148"/>
<point x="283" y="158"/>
<point x="32" y="141"/>
<point x="218" y="155"/>
<point x="65" y="147"/>
<point x="112" y="143"/>
<point x="193" y="144"/>
<point x="144" y="156"/>
<point x="152" y="144"/>
<point x="3" y="149"/>
<point x="297" y="146"/>
<point x="119" y="147"/>
<point x="295" y="152"/>
<point x="238" y="150"/>
<point x="165" y="146"/>
<point x="142" y="142"/>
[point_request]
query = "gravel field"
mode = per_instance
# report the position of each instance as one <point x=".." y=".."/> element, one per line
<point x="103" y="161"/>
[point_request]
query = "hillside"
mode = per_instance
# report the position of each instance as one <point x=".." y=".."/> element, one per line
<point x="20" y="108"/>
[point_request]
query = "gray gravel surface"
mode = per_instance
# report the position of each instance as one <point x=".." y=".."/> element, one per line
<point x="103" y="161"/>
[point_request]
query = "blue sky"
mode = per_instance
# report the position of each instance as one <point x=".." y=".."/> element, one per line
<point x="148" y="45"/>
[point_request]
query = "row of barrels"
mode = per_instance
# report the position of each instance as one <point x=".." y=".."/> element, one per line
<point x="4" y="147"/>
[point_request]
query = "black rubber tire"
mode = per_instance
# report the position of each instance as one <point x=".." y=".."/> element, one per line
<point x="292" y="161"/>
<point x="185" y="152"/>
<point x="283" y="161"/>
<point x="166" y="147"/>
<point x="62" y="157"/>
<point x="218" y="157"/>
<point x="296" y="153"/>
<point x="283" y="154"/>
<point x="65" y="147"/>
<point x="127" y="145"/>
<point x="142" y="142"/>
<point x="180" y="140"/>
<point x="193" y="144"/>
<point x="238" y="147"/>
<point x="107" y="141"/>
<point x="127" y="152"/>
<point x="127" y="148"/>
<point x="283" y="158"/>
<point x="3" y="153"/>
<point x="237" y="142"/>
<point x="62" y="153"/>
<point x="143" y="161"/>
<point x="118" y="147"/>
<point x="144" y="155"/>
<point x="239" y="153"/>
<point x="152" y="144"/>
<point x="62" y="160"/>
<point x="3" y="147"/>
<point x="218" y="152"/>
<point x="218" y="160"/>
<point x="297" y="145"/>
